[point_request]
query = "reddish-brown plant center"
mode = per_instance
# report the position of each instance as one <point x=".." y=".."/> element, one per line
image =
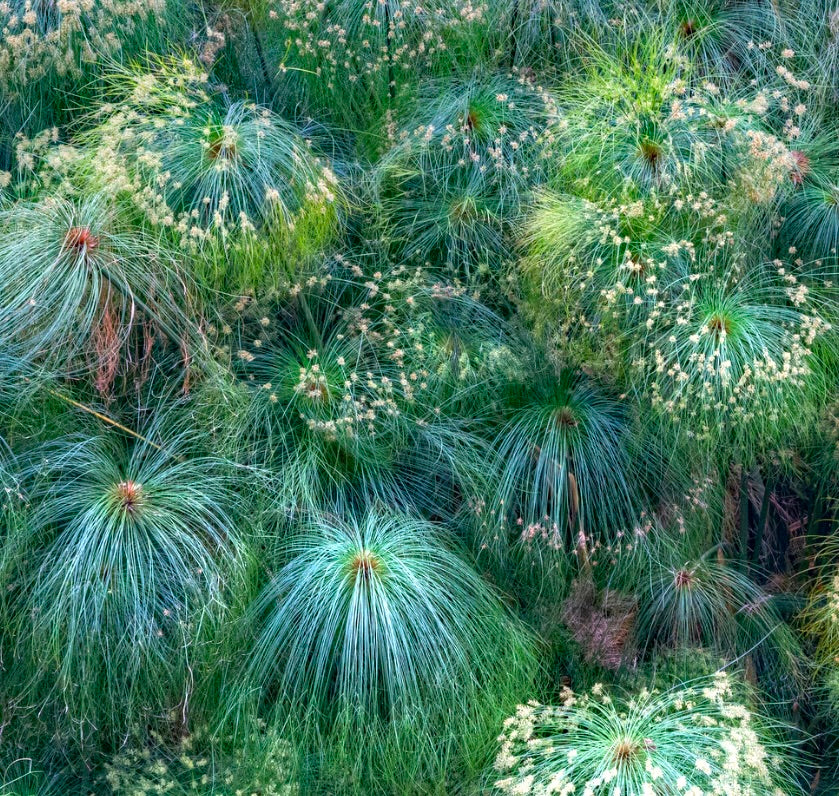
<point x="365" y="563"/>
<point x="720" y="325"/>
<point x="688" y="28"/>
<point x="81" y="239"/>
<point x="651" y="152"/>
<point x="472" y="120"/>
<point x="683" y="579"/>
<point x="130" y="495"/>
<point x="565" y="417"/>
<point x="801" y="167"/>
<point x="221" y="148"/>
<point x="625" y="751"/>
<point x="317" y="391"/>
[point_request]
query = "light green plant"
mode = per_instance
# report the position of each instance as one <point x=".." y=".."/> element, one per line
<point x="127" y="562"/>
<point x="75" y="282"/>
<point x="321" y="320"/>
<point x="230" y="181"/>
<point x="455" y="180"/>
<point x="264" y="764"/>
<point x="49" y="50"/>
<point x="376" y="625"/>
<point x="694" y="740"/>
<point x="737" y="352"/>
<point x="349" y="62"/>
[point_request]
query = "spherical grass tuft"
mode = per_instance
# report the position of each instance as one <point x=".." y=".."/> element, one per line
<point x="698" y="739"/>
<point x="74" y="282"/>
<point x="377" y="630"/>
<point x="127" y="563"/>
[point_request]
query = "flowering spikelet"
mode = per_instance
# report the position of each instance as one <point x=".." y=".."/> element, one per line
<point x="694" y="741"/>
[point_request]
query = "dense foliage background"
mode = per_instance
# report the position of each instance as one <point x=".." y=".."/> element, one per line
<point x="407" y="397"/>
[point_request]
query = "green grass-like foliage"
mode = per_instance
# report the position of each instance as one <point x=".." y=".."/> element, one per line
<point x="349" y="61"/>
<point x="126" y="562"/>
<point x="74" y="282"/>
<point x="695" y="740"/>
<point x="264" y="765"/>
<point x="371" y="367"/>
<point x="52" y="52"/>
<point x="564" y="462"/>
<point x="709" y="603"/>
<point x="462" y="166"/>
<point x="209" y="172"/>
<point x="376" y="624"/>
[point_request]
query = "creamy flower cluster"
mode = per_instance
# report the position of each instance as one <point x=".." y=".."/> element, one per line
<point x="190" y="768"/>
<point x="61" y="38"/>
<point x="695" y="742"/>
<point x="192" y="166"/>
<point x="381" y="41"/>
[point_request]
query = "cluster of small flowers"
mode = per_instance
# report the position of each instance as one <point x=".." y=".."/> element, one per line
<point x="690" y="365"/>
<point x="770" y="164"/>
<point x="399" y="332"/>
<point x="229" y="194"/>
<point x="378" y="367"/>
<point x="61" y="38"/>
<point x="833" y="600"/>
<point x="704" y="386"/>
<point x="365" y="399"/>
<point x="35" y="155"/>
<point x="544" y="533"/>
<point x="406" y="332"/>
<point x="698" y="497"/>
<point x="791" y="105"/>
<point x="498" y="529"/>
<point x="385" y="40"/>
<point x="11" y="497"/>
<point x="695" y="502"/>
<point x="716" y="750"/>
<point x="190" y="767"/>
<point x="512" y="145"/>
<point x="214" y="41"/>
<point x="742" y="124"/>
<point x="703" y="218"/>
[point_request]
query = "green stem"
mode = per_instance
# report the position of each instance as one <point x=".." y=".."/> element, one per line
<point x="768" y="488"/>
<point x="391" y="79"/>
<point x="104" y="418"/>
<point x="813" y="521"/>
<point x="260" y="52"/>
<point x="310" y="321"/>
<point x="708" y="553"/>
<point x="744" y="516"/>
<point x="513" y="34"/>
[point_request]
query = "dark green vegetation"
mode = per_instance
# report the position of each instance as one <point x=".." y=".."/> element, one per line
<point x="406" y="398"/>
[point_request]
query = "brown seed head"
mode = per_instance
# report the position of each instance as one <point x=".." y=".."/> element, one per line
<point x="222" y="148"/>
<point x="801" y="167"/>
<point x="625" y="751"/>
<point x="366" y="564"/>
<point x="651" y="152"/>
<point x="565" y="417"/>
<point x="683" y="579"/>
<point x="81" y="239"/>
<point x="129" y="494"/>
<point x="688" y="28"/>
<point x="720" y="324"/>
